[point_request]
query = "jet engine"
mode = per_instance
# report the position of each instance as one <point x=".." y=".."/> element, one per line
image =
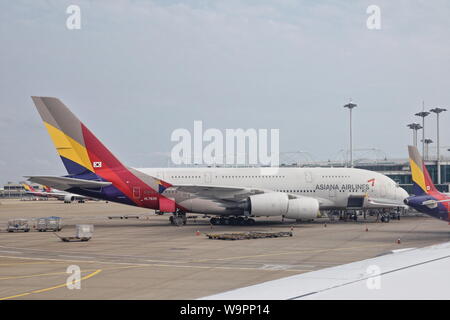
<point x="302" y="208"/>
<point x="68" y="198"/>
<point x="268" y="204"/>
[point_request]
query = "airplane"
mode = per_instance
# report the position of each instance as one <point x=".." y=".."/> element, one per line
<point x="231" y="195"/>
<point x="51" y="193"/>
<point x="426" y="198"/>
<point x="30" y="190"/>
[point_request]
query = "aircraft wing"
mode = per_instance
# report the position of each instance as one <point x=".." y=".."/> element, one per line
<point x="401" y="274"/>
<point x="219" y="192"/>
<point x="428" y="202"/>
<point x="225" y="192"/>
<point x="65" y="183"/>
<point x="232" y="193"/>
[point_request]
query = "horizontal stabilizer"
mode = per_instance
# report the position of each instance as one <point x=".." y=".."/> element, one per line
<point x="64" y="183"/>
<point x="433" y="203"/>
<point x="383" y="203"/>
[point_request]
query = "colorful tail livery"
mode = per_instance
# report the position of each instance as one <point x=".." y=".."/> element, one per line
<point x="28" y="188"/>
<point x="426" y="198"/>
<point x="93" y="170"/>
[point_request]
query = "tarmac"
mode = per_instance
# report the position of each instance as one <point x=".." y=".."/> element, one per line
<point x="147" y="258"/>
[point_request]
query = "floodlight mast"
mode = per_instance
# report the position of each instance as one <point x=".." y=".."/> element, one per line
<point x="438" y="110"/>
<point x="423" y="114"/>
<point x="350" y="107"/>
<point x="415" y="127"/>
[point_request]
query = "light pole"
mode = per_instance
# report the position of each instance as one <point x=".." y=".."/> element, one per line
<point x="350" y="107"/>
<point x="423" y="114"/>
<point x="438" y="162"/>
<point x="414" y="127"/>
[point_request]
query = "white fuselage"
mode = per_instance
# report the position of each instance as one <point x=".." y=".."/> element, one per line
<point x="332" y="187"/>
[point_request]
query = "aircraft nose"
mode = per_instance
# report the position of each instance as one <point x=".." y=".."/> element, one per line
<point x="403" y="195"/>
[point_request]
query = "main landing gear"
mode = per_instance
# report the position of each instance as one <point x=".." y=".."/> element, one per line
<point x="178" y="218"/>
<point x="234" y="221"/>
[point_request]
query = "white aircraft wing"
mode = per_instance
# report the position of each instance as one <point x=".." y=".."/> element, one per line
<point x="219" y="192"/>
<point x="232" y="193"/>
<point x="407" y="274"/>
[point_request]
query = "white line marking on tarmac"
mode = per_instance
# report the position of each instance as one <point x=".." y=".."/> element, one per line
<point x="77" y="257"/>
<point x="165" y="261"/>
<point x="276" y="267"/>
<point x="15" y="252"/>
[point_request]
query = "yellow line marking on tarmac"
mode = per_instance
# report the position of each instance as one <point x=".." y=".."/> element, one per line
<point x="57" y="273"/>
<point x="52" y="288"/>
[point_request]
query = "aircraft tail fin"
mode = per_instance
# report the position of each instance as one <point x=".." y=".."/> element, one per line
<point x="422" y="183"/>
<point x="80" y="151"/>
<point x="85" y="157"/>
<point x="28" y="187"/>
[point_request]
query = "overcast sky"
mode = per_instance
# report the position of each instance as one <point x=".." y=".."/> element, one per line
<point x="137" y="70"/>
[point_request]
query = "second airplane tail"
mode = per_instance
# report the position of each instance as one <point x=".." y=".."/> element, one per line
<point x="28" y="188"/>
<point x="422" y="183"/>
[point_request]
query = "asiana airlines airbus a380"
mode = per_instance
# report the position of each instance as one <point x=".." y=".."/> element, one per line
<point x="231" y="195"/>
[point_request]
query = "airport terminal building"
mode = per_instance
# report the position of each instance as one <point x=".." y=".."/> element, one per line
<point x="400" y="172"/>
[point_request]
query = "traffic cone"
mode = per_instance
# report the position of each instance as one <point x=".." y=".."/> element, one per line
<point x="398" y="241"/>
<point x="197" y="233"/>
